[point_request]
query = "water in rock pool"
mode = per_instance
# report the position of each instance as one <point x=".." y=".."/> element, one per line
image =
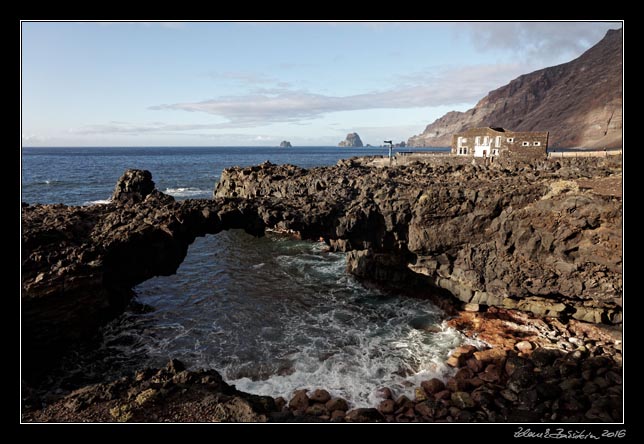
<point x="271" y="314"/>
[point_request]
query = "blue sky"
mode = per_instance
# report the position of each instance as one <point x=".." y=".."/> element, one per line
<point x="257" y="83"/>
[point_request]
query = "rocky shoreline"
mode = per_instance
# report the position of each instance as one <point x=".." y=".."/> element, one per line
<point x="522" y="253"/>
<point x="578" y="379"/>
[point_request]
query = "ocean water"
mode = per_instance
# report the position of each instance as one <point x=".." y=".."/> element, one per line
<point x="273" y="315"/>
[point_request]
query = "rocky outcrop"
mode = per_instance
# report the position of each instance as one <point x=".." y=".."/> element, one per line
<point x="352" y="140"/>
<point x="579" y="103"/>
<point x="522" y="236"/>
<point x="577" y="380"/>
<point x="529" y="237"/>
<point x="79" y="264"/>
<point x="544" y="238"/>
<point x="285" y="144"/>
<point x="169" y="394"/>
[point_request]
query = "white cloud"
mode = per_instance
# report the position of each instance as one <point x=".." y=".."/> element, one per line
<point x="270" y="105"/>
<point x="149" y="128"/>
<point x="549" y="42"/>
<point x="32" y="138"/>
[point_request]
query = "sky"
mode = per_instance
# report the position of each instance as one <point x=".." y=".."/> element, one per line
<point x="258" y="83"/>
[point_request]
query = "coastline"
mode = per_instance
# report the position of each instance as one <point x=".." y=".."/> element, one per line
<point x="567" y="375"/>
<point x="476" y="393"/>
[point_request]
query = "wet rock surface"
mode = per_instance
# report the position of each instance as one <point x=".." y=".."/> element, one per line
<point x="547" y="384"/>
<point x="535" y="260"/>
<point x="519" y="236"/>
<point x="79" y="264"/>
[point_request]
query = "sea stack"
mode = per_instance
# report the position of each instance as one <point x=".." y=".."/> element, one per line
<point x="352" y="140"/>
<point x="286" y="144"/>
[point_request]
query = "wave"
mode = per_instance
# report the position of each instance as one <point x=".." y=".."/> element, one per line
<point x="186" y="192"/>
<point x="356" y="371"/>
<point x="97" y="202"/>
<point x="277" y="315"/>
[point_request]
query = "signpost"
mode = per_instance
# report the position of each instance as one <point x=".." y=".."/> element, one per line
<point x="391" y="149"/>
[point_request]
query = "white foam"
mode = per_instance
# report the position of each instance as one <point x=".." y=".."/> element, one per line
<point x="186" y="192"/>
<point x="368" y="356"/>
<point x="98" y="202"/>
<point x="339" y="336"/>
<point x="357" y="370"/>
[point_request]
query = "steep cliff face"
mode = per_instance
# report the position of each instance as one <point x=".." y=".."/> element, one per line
<point x="579" y="102"/>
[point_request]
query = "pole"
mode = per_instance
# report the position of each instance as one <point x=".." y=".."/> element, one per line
<point x="391" y="149"/>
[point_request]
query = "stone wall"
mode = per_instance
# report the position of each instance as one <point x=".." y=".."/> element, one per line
<point x="517" y="150"/>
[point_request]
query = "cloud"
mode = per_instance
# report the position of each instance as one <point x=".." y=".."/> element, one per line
<point x="550" y="42"/>
<point x="135" y="129"/>
<point x="446" y="86"/>
<point x="32" y="138"/>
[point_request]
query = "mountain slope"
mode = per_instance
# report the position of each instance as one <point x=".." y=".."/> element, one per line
<point x="579" y="102"/>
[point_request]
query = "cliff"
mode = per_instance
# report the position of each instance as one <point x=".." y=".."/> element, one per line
<point x="579" y="103"/>
<point x="352" y="140"/>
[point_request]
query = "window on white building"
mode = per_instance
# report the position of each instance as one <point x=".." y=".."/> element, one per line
<point x="498" y="141"/>
<point x="478" y="140"/>
<point x="536" y="143"/>
<point x="525" y="144"/>
<point x="495" y="152"/>
<point x="510" y="139"/>
<point x="465" y="150"/>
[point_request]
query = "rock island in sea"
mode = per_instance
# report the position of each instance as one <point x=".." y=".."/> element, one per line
<point x="352" y="140"/>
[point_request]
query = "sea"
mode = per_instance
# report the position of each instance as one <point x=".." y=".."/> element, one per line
<point x="271" y="314"/>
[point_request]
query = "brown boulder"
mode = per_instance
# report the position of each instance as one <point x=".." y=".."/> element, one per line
<point x="464" y="373"/>
<point x="320" y="395"/>
<point x="432" y="386"/>
<point x="491" y="355"/>
<point x="457" y="385"/>
<point x="386" y="406"/>
<point x="299" y="401"/>
<point x="336" y="404"/>
<point x="492" y="373"/>
<point x="460" y="355"/>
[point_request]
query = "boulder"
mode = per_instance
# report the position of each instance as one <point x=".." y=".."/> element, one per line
<point x="299" y="401"/>
<point x="433" y="386"/>
<point x="320" y="395"/>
